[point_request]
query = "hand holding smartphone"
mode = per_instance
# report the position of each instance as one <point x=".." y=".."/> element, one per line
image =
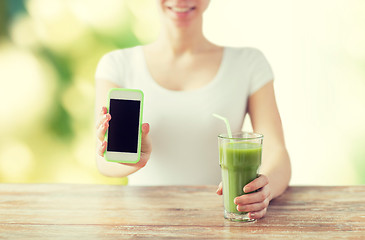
<point x="125" y="127"/>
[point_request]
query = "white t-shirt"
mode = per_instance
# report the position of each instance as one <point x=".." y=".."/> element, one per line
<point x="183" y="131"/>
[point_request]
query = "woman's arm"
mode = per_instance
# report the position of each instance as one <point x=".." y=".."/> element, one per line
<point x="265" y="119"/>
<point x="113" y="169"/>
<point x="275" y="168"/>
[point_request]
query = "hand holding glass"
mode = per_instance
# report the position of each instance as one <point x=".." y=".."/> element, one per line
<point x="240" y="159"/>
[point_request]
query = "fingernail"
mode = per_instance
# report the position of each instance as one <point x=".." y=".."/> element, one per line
<point x="252" y="215"/>
<point x="144" y="128"/>
<point x="240" y="210"/>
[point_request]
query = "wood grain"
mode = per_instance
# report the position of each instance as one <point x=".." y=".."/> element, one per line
<point x="67" y="211"/>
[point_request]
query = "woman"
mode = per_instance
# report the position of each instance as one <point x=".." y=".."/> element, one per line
<point x="186" y="78"/>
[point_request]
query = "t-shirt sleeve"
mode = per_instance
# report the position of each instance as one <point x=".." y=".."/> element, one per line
<point x="110" y="67"/>
<point x="261" y="72"/>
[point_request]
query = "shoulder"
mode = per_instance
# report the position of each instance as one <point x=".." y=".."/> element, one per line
<point x="246" y="57"/>
<point x="120" y="55"/>
<point x="114" y="65"/>
<point x="244" y="52"/>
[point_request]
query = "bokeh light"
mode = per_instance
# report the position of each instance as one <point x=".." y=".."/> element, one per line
<point x="26" y="88"/>
<point x="17" y="160"/>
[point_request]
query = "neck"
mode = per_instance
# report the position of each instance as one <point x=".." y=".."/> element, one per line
<point x="183" y="39"/>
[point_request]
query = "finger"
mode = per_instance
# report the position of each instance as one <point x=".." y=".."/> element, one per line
<point x="256" y="184"/>
<point x="254" y="207"/>
<point x="145" y="129"/>
<point x="255" y="197"/>
<point x="102" y="148"/>
<point x="258" y="214"/>
<point x="220" y="189"/>
<point x="103" y="118"/>
<point x="102" y="112"/>
<point x="100" y="133"/>
<point x="146" y="146"/>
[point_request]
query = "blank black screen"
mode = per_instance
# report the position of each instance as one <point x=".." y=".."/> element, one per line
<point x="123" y="126"/>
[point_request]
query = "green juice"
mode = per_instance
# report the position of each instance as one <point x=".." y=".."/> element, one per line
<point x="239" y="163"/>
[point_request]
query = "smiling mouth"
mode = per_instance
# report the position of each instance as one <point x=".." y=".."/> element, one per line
<point x="181" y="10"/>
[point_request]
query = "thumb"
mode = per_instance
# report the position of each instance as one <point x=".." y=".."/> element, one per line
<point x="145" y="129"/>
<point x="146" y="142"/>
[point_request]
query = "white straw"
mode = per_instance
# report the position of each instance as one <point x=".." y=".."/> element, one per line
<point x="229" y="132"/>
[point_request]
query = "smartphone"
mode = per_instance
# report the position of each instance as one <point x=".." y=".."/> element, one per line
<point x="125" y="127"/>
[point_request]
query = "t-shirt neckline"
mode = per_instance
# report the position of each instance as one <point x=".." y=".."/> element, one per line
<point x="201" y="89"/>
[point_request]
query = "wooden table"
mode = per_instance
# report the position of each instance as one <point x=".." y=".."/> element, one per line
<point x="67" y="211"/>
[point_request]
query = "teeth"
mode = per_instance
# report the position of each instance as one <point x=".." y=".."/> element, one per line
<point x="180" y="10"/>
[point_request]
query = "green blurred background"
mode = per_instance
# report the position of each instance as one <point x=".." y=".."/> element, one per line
<point x="49" y="50"/>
